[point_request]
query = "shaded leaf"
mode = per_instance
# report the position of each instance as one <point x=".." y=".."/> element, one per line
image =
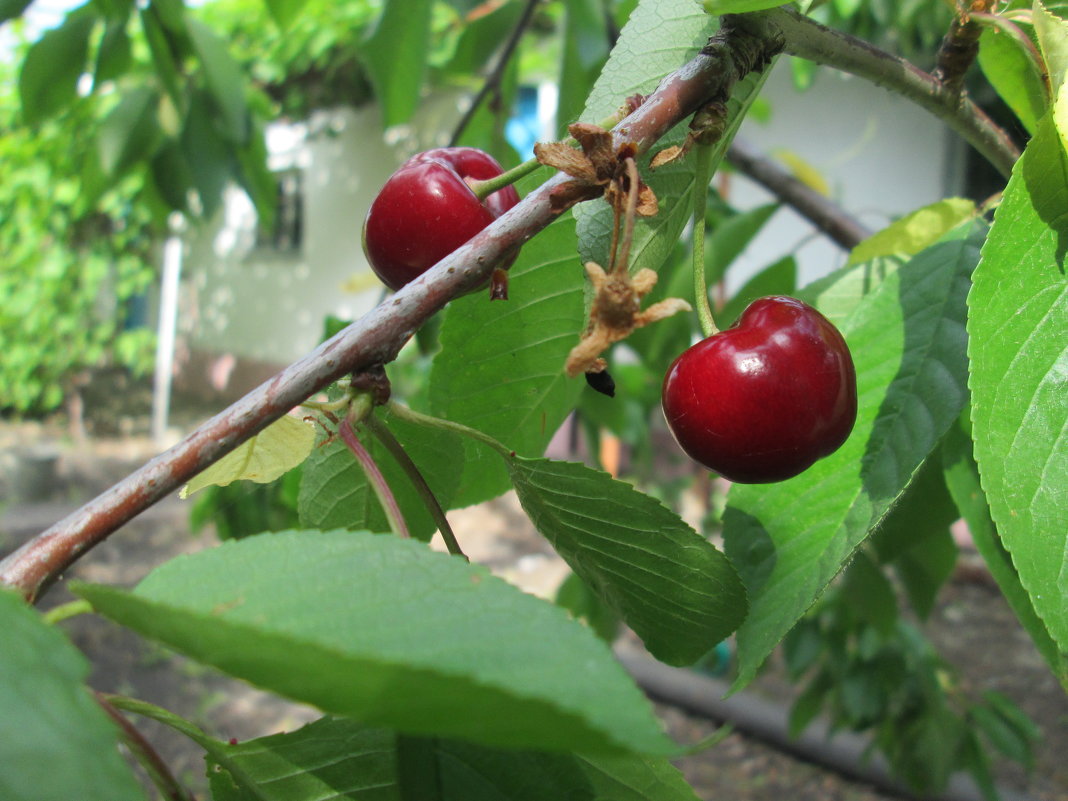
<point x="395" y="55"/>
<point x="389" y="632"/>
<point x="501" y="364"/>
<point x="788" y="540"/>
<point x="48" y="81"/>
<point x="280" y="447"/>
<point x="131" y="132"/>
<point x="56" y="743"/>
<point x="1018" y="346"/>
<point x="224" y="78"/>
<point x="669" y="584"/>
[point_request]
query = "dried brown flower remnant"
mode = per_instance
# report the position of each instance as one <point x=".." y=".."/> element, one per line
<point x="616" y="313"/>
<point x="617" y="295"/>
<point x="597" y="170"/>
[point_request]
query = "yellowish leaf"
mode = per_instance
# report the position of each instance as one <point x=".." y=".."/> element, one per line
<point x="915" y="231"/>
<point x="278" y="448"/>
<point x="804" y="171"/>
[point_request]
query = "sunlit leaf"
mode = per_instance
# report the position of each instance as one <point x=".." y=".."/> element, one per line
<point x="1018" y="349"/>
<point x="394" y="634"/>
<point x="915" y="231"/>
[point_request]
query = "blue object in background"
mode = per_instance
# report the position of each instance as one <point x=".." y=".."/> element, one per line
<point x="523" y="128"/>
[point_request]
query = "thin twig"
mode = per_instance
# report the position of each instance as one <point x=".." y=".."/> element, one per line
<point x="493" y="80"/>
<point x="822" y="212"/>
<point x="375" y="479"/>
<point x="808" y="39"/>
<point x="393" y="445"/>
<point x="146" y="755"/>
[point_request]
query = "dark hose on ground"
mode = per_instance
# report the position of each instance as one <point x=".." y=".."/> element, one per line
<point x="844" y="752"/>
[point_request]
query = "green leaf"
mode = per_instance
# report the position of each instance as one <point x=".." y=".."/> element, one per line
<point x="738" y="6"/>
<point x="115" y="54"/>
<point x="669" y="584"/>
<point x="56" y="743"/>
<point x="331" y="758"/>
<point x="395" y="55"/>
<point x="586" y="48"/>
<point x="1002" y="736"/>
<point x="206" y="157"/>
<point x="471" y="773"/>
<point x="283" y="12"/>
<point x="1013" y="75"/>
<point x="343" y="759"/>
<point x="224" y="78"/>
<point x="576" y="597"/>
<point x="915" y="538"/>
<point x="481" y="39"/>
<point x="501" y="365"/>
<point x="391" y="633"/>
<point x="779" y="278"/>
<point x="962" y="479"/>
<point x="280" y="447"/>
<point x="725" y="241"/>
<point x="334" y="492"/>
<point x="870" y="593"/>
<point x="789" y="540"/>
<point x="131" y="132"/>
<point x="1052" y="33"/>
<point x="915" y="231"/>
<point x="163" y="59"/>
<point x="9" y="9"/>
<point x="48" y="81"/>
<point x="1018" y="345"/>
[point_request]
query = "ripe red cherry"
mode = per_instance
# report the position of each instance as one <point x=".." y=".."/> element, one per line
<point x="764" y="399"/>
<point x="426" y="210"/>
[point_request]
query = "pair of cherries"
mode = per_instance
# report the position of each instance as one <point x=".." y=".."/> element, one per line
<point x="758" y="402"/>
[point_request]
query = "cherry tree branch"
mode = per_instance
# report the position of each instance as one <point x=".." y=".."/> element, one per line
<point x="808" y="39"/>
<point x="825" y="214"/>
<point x="374" y="339"/>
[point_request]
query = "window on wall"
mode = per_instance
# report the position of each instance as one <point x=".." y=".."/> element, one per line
<point x="287" y="234"/>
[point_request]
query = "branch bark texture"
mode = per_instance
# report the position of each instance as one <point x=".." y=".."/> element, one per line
<point x="808" y="39"/>
<point x="374" y="339"/>
<point x="825" y="214"/>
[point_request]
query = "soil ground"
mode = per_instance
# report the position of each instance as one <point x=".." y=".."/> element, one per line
<point x="972" y="627"/>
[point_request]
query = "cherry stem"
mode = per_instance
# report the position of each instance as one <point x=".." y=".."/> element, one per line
<point x="374" y="475"/>
<point x="426" y="420"/>
<point x="66" y="611"/>
<point x="145" y="754"/>
<point x="394" y="446"/>
<point x="483" y="189"/>
<point x="702" y="167"/>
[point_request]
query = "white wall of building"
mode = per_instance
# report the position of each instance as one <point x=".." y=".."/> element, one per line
<point x="880" y="155"/>
<point x="268" y="306"/>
